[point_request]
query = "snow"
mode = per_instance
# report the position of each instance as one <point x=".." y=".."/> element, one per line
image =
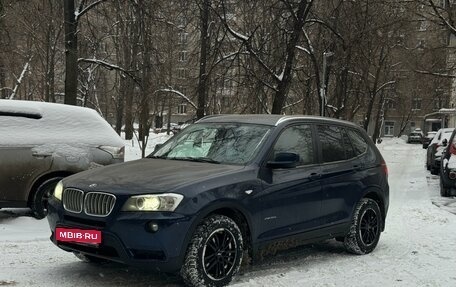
<point x="62" y="124"/>
<point x="418" y="247"/>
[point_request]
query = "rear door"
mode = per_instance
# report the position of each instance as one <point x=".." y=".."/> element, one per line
<point x="291" y="199"/>
<point x="19" y="164"/>
<point x="341" y="181"/>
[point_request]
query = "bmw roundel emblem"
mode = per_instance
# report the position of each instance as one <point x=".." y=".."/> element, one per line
<point x="93" y="185"/>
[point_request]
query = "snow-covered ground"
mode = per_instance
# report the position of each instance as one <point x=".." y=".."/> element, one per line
<point x="418" y="247"/>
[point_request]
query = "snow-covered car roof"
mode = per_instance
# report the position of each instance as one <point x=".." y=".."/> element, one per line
<point x="29" y="122"/>
<point x="439" y="135"/>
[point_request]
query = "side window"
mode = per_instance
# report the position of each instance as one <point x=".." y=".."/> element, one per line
<point x="358" y="142"/>
<point x="333" y="142"/>
<point x="296" y="139"/>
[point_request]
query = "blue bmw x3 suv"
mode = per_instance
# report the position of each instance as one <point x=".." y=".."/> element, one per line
<point x="226" y="187"/>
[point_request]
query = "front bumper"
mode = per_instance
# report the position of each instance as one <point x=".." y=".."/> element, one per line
<point x="126" y="237"/>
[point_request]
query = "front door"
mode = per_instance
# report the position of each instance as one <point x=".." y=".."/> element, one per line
<point x="291" y="199"/>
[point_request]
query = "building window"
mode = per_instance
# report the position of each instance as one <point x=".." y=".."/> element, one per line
<point x="183" y="38"/>
<point x="438" y="103"/>
<point x="416" y="104"/>
<point x="389" y="129"/>
<point x="390" y="104"/>
<point x="182" y="109"/>
<point x="421" y="44"/>
<point x="182" y="73"/>
<point x="183" y="56"/>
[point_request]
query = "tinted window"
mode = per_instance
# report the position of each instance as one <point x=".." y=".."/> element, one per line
<point x="296" y="139"/>
<point x="335" y="144"/>
<point x="358" y="142"/>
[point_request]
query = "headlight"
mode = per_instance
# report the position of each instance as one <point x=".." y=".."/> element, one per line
<point x="58" y="190"/>
<point x="153" y="202"/>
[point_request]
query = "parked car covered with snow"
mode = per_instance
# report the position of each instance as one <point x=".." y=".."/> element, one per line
<point x="428" y="138"/>
<point x="415" y="137"/>
<point x="40" y="143"/>
<point x="436" y="142"/>
<point x="225" y="186"/>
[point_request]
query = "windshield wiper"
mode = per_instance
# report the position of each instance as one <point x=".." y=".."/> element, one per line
<point x="196" y="159"/>
<point x="157" y="156"/>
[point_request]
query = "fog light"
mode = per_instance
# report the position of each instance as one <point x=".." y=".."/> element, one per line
<point x="153" y="226"/>
<point x="452" y="175"/>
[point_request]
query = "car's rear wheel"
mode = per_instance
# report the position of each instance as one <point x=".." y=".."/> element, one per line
<point x="39" y="203"/>
<point x="365" y="229"/>
<point x="214" y="254"/>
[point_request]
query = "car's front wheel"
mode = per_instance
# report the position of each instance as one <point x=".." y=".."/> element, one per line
<point x="39" y="203"/>
<point x="365" y="229"/>
<point x="214" y="254"/>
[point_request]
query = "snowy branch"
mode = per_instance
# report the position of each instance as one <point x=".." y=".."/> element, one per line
<point x="293" y="104"/>
<point x="178" y="94"/>
<point x="108" y="66"/>
<point x="81" y="11"/>
<point x="301" y="48"/>
<point x="384" y="85"/>
<point x="19" y="80"/>
<point x="443" y="75"/>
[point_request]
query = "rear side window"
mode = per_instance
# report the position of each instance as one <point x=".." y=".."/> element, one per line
<point x="335" y="145"/>
<point x="358" y="142"/>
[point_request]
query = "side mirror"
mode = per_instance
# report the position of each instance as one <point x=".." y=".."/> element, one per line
<point x="284" y="160"/>
<point x="157" y="147"/>
<point x="445" y="142"/>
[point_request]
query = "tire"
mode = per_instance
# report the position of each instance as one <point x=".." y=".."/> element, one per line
<point x="444" y="191"/>
<point x="41" y="196"/>
<point x="365" y="229"/>
<point x="205" y="263"/>
<point x="90" y="259"/>
<point x="434" y="171"/>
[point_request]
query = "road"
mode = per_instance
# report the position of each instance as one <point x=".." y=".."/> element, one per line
<point x="418" y="247"/>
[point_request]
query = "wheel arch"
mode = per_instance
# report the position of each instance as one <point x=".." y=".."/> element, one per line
<point x="41" y="179"/>
<point x="229" y="209"/>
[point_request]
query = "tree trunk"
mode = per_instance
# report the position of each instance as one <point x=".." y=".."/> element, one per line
<point x="284" y="85"/>
<point x="71" y="53"/>
<point x="202" y="80"/>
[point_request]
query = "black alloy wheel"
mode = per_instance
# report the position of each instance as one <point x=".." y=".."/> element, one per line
<point x="365" y="229"/>
<point x="215" y="253"/>
<point x="369" y="228"/>
<point x="219" y="254"/>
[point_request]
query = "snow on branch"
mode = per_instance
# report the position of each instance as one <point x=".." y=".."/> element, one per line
<point x="385" y="85"/>
<point x="301" y="48"/>
<point x="180" y="94"/>
<point x="108" y="66"/>
<point x="19" y="80"/>
<point x="443" y="75"/>
<point x="81" y="11"/>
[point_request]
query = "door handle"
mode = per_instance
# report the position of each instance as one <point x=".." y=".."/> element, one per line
<point x="357" y="167"/>
<point x="314" y="176"/>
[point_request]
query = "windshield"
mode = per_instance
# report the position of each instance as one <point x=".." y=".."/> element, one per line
<point x="226" y="143"/>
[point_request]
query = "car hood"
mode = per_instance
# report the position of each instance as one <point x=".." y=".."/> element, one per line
<point x="147" y="175"/>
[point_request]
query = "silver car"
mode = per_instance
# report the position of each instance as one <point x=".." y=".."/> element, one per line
<point x="40" y="143"/>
